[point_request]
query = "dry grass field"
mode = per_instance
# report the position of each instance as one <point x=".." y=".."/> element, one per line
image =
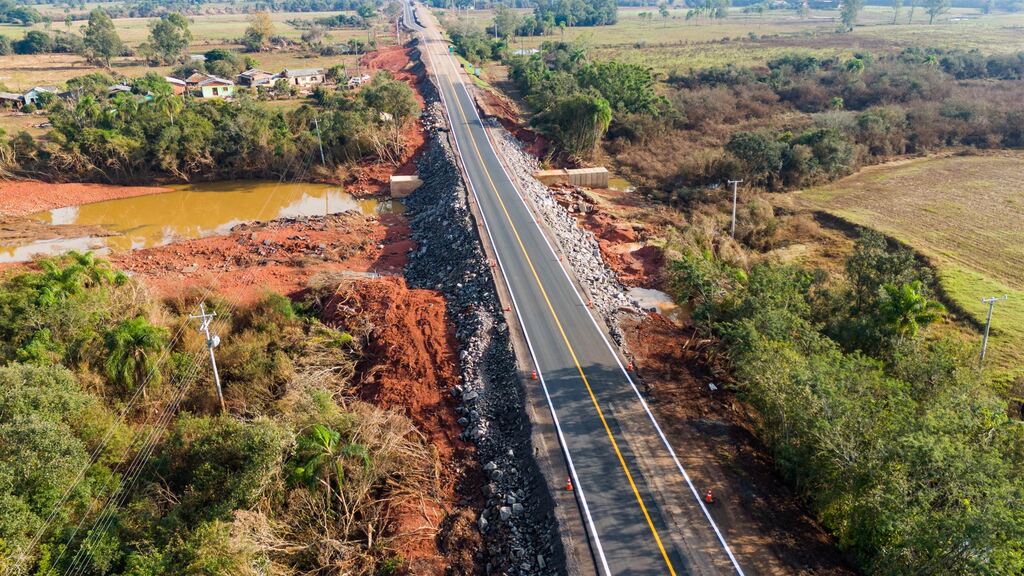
<point x="966" y="214"/>
<point x="21" y="72"/>
<point x="674" y="44"/>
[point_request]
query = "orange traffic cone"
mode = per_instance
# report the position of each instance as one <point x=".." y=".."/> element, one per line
<point x="709" y="497"/>
<point x="533" y="375"/>
<point x="629" y="367"/>
<point x="568" y="484"/>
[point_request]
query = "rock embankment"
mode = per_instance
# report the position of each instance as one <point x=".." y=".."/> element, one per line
<point x="578" y="245"/>
<point x="517" y="520"/>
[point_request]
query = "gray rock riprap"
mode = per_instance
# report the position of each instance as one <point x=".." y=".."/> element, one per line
<point x="522" y="538"/>
<point x="577" y="244"/>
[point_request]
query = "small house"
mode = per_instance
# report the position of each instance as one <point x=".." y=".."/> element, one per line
<point x="216" y="87"/>
<point x="254" y="77"/>
<point x="304" y="77"/>
<point x="193" y="80"/>
<point x="34" y="95"/>
<point x="11" y="100"/>
<point x="178" y="86"/>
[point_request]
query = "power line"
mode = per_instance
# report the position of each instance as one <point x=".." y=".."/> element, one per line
<point x="22" y="557"/>
<point x="106" y="515"/>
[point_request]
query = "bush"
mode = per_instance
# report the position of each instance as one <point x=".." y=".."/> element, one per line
<point x="909" y="462"/>
<point x="48" y="425"/>
<point x="217" y="465"/>
<point x="34" y="42"/>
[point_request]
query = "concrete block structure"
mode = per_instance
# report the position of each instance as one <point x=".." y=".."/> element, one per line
<point x="588" y="177"/>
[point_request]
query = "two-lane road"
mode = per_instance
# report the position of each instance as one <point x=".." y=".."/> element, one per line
<point x="589" y="392"/>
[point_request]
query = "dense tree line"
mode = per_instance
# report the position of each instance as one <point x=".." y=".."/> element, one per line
<point x="297" y="475"/>
<point x="150" y="8"/>
<point x="577" y="99"/>
<point x="153" y="133"/>
<point x="14" y="13"/>
<point x="577" y="12"/>
<point x="904" y="452"/>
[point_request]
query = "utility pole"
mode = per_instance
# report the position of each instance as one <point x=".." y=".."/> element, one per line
<point x="732" y="231"/>
<point x="211" y="343"/>
<point x="319" y="139"/>
<point x="988" y="324"/>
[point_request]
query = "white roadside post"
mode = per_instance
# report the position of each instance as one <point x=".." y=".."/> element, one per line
<point x="732" y="230"/>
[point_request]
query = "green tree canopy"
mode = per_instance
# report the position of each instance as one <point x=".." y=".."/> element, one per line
<point x="259" y="32"/>
<point x="849" y="12"/>
<point x="626" y="87"/>
<point x="577" y="123"/>
<point x="133" y="348"/>
<point x="169" y="38"/>
<point x="101" y="40"/>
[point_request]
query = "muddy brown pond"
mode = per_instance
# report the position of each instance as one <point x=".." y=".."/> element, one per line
<point x="189" y="211"/>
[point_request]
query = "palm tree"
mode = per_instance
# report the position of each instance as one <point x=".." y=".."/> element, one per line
<point x="57" y="282"/>
<point x="96" y="271"/>
<point x="133" y="347"/>
<point x="321" y="455"/>
<point x="904" y="310"/>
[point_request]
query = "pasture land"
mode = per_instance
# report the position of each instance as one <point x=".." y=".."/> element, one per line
<point x="675" y="44"/>
<point x="21" y="72"/>
<point x="205" y="27"/>
<point x="966" y="215"/>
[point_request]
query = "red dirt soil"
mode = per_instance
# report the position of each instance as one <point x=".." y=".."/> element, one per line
<point x="410" y="364"/>
<point x="375" y="178"/>
<point x="622" y="242"/>
<point x="504" y="110"/>
<point x="21" y="197"/>
<point x="280" y="255"/>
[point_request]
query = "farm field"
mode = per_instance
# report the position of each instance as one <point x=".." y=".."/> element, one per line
<point x="21" y="72"/>
<point x="966" y="215"/>
<point x="677" y="45"/>
<point x="205" y="27"/>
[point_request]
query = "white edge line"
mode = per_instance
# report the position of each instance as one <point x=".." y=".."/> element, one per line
<point x="547" y="395"/>
<point x="600" y="331"/>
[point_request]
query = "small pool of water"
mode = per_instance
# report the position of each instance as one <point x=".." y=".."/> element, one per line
<point x="191" y="211"/>
<point x="658" y="301"/>
<point x="620" y="183"/>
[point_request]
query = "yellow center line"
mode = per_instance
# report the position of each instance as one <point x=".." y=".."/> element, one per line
<point x="572" y="352"/>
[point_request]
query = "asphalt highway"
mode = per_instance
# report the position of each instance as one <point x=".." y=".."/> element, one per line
<point x="620" y="484"/>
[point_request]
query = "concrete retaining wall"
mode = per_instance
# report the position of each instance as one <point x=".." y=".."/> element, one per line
<point x="589" y="177"/>
<point x="402" y="186"/>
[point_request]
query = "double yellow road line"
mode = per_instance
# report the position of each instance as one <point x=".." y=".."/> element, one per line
<point x="565" y="338"/>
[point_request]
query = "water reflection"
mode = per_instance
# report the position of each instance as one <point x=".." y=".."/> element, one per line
<point x="191" y="211"/>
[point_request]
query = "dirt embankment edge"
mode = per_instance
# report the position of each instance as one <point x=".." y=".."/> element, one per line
<point x="517" y="522"/>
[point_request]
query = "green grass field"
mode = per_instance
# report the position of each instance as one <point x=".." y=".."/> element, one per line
<point x="966" y="214"/>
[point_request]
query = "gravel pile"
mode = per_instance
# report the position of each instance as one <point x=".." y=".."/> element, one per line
<point x="601" y="286"/>
<point x="517" y="522"/>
